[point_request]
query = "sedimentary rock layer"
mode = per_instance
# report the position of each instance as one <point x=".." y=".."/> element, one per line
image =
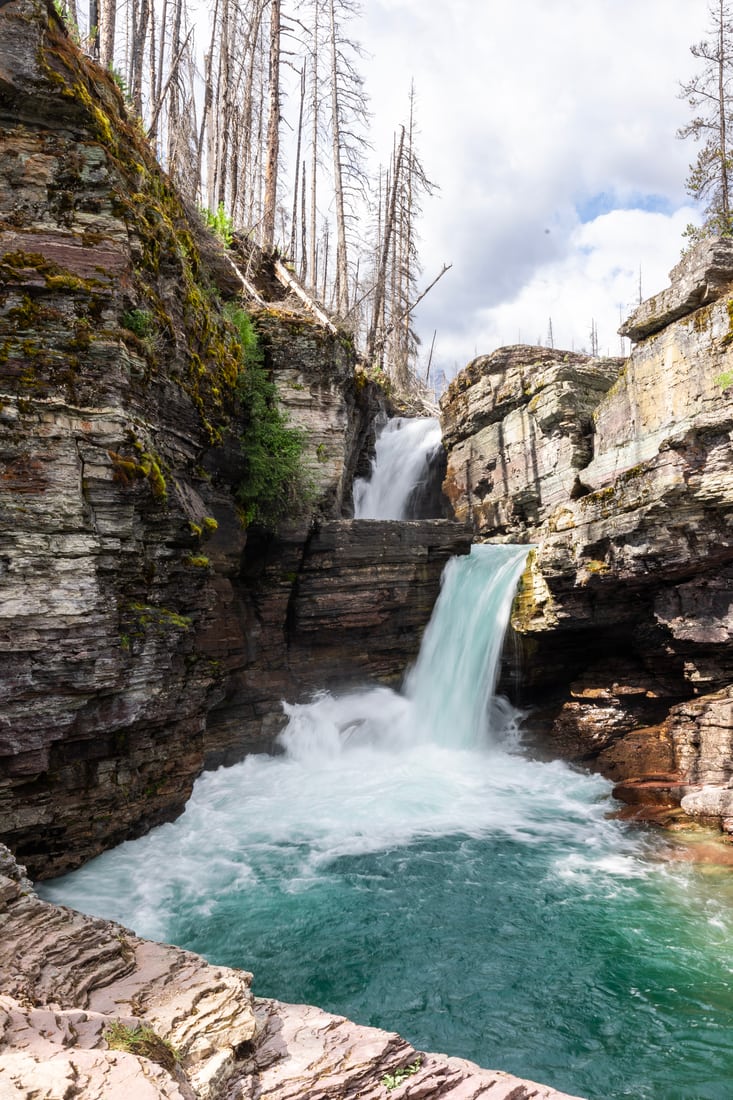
<point x="364" y="593"/>
<point x="518" y="427"/>
<point x="342" y="603"/>
<point x="626" y="488"/>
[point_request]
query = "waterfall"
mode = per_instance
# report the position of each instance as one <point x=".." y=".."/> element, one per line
<point x="453" y="681"/>
<point x="401" y="461"/>
<point x="360" y="772"/>
<point x="447" y="695"/>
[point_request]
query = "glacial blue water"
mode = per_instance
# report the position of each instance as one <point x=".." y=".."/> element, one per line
<point x="404" y="863"/>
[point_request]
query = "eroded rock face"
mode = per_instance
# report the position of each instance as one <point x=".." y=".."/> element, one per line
<point x="518" y="428"/>
<point x="333" y="606"/>
<point x="115" y="375"/>
<point x="364" y="593"/>
<point x="75" y="991"/>
<point x="624" y="613"/>
<point x="143" y="632"/>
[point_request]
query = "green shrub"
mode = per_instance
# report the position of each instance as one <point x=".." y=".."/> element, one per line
<point x="220" y="223"/>
<point x="275" y="484"/>
<point x="143" y="1041"/>
<point x="394" y="1080"/>
<point x="138" y="321"/>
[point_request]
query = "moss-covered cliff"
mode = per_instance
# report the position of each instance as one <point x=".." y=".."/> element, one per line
<point x="144" y="631"/>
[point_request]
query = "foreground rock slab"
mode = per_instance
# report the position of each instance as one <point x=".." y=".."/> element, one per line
<point x="307" y="1054"/>
<point x="91" y="1011"/>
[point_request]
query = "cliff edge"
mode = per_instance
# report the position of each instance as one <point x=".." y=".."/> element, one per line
<point x="621" y="473"/>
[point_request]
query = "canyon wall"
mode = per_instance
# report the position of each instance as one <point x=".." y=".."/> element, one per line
<point x="144" y="631"/>
<point x="621" y="474"/>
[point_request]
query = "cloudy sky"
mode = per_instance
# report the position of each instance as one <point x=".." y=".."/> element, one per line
<point x="550" y="127"/>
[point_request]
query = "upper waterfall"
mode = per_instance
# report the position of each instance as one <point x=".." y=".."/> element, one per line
<point x="401" y="462"/>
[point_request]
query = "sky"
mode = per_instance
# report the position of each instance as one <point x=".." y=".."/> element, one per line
<point x="550" y="128"/>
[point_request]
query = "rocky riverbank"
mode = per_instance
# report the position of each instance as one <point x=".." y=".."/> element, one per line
<point x="89" y="1010"/>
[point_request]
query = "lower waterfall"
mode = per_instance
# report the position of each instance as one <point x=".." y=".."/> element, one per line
<point x="406" y="864"/>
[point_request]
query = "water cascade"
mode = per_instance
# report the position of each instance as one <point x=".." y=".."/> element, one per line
<point x="405" y="864"/>
<point x="403" y="453"/>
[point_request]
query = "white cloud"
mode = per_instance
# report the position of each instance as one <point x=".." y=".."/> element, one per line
<point x="528" y="112"/>
<point x="596" y="281"/>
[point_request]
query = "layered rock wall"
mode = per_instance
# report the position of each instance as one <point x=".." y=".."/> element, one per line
<point x="143" y="632"/>
<point x="625" y="611"/>
<point x="518" y="428"/>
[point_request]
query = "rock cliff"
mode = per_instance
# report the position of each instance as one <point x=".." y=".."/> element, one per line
<point x="144" y="632"/>
<point x="87" y="1009"/>
<point x="621" y="473"/>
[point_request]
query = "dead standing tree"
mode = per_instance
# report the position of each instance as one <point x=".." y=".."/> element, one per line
<point x="709" y="92"/>
<point x="349" y="127"/>
<point x="392" y="341"/>
<point x="272" y="153"/>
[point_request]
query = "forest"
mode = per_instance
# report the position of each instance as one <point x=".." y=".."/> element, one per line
<point x="258" y="111"/>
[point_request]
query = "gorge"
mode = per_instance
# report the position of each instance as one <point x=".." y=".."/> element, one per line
<point x="392" y="860"/>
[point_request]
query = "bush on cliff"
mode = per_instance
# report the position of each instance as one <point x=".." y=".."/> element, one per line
<point x="275" y="484"/>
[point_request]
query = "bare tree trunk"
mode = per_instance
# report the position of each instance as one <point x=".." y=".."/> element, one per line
<point x="342" y="271"/>
<point x="259" y="175"/>
<point x="303" y="248"/>
<point x="224" y="102"/>
<point x="153" y="58"/>
<point x="204" y="131"/>
<point x="161" y="57"/>
<point x="315" y="119"/>
<point x="94" y="28"/>
<point x="389" y="222"/>
<point x="174" y="106"/>
<point x="137" y="54"/>
<point x="294" y="221"/>
<point x="723" y="64"/>
<point x="240" y="48"/>
<point x="107" y="24"/>
<point x="273" y="130"/>
<point x="325" y="264"/>
<point x="250" y="149"/>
